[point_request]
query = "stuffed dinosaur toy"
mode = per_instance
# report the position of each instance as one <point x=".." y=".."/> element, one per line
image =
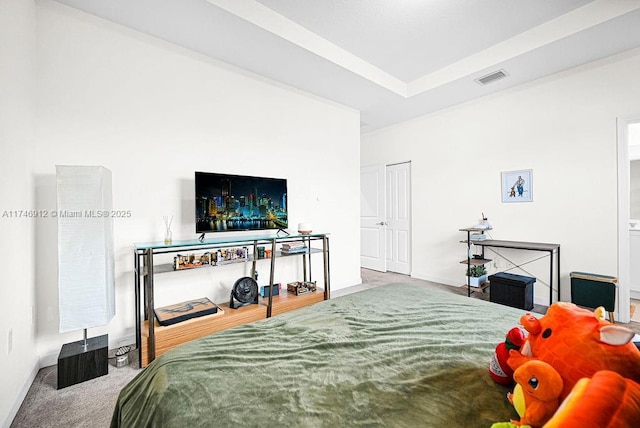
<point x="577" y="343"/>
<point x="607" y="400"/>
<point x="597" y="363"/>
<point x="536" y="394"/>
<point x="498" y="368"/>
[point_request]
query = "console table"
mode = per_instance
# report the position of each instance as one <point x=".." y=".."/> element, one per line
<point x="531" y="246"/>
<point x="144" y="268"/>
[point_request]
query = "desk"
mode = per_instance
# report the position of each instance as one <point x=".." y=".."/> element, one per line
<point x="530" y="246"/>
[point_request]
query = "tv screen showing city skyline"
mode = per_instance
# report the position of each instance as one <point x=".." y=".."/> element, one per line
<point x="226" y="202"/>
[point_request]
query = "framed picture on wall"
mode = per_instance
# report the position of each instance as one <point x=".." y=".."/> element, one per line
<point x="517" y="186"/>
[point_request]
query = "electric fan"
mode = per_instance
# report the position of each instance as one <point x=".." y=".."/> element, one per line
<point x="244" y="292"/>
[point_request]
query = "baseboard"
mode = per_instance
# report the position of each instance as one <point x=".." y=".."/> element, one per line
<point x="344" y="284"/>
<point x="21" y="396"/>
<point x="438" y="280"/>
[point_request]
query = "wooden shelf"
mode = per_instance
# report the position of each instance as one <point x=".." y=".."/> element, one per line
<point x="170" y="336"/>
<point x="480" y="288"/>
<point x="286" y="301"/>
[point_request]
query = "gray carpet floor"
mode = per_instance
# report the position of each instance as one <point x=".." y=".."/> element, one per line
<point x="91" y="403"/>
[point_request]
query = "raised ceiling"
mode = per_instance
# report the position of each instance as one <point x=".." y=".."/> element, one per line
<point x="392" y="60"/>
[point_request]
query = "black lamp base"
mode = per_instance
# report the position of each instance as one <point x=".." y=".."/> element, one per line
<point x="76" y="365"/>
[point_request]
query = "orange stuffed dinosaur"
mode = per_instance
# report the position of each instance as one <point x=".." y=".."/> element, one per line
<point x="535" y="397"/>
<point x="577" y="343"/>
<point x="607" y="400"/>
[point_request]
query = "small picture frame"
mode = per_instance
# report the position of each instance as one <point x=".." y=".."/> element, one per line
<point x="517" y="186"/>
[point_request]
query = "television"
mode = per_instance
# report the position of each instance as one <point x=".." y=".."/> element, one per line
<point x="226" y="202"/>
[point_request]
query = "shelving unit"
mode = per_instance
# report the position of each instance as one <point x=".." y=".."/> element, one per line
<point x="471" y="260"/>
<point x="152" y="339"/>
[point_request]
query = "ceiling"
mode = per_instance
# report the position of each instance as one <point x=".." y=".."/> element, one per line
<point x="392" y="60"/>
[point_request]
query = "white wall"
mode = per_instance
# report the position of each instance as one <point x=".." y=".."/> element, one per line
<point x="634" y="189"/>
<point x="153" y="114"/>
<point x="634" y="170"/>
<point x="563" y="127"/>
<point x="17" y="109"/>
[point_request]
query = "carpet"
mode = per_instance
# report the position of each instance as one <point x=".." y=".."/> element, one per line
<point x="76" y="405"/>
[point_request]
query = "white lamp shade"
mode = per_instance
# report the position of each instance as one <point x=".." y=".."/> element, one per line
<point x="86" y="284"/>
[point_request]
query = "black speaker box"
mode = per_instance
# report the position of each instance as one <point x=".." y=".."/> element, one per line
<point x="511" y="290"/>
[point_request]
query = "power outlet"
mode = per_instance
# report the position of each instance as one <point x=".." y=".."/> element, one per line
<point x="10" y="341"/>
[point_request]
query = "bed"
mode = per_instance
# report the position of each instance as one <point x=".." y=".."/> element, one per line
<point x="395" y="355"/>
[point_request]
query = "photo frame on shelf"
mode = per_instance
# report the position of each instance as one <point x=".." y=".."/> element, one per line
<point x="517" y="186"/>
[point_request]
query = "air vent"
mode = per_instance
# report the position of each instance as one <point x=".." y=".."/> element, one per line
<point x="496" y="75"/>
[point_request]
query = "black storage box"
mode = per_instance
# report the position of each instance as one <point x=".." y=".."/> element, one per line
<point x="511" y="290"/>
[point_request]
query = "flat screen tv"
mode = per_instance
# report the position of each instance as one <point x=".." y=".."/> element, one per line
<point x="226" y="202"/>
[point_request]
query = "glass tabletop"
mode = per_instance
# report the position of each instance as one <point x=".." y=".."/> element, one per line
<point x="225" y="240"/>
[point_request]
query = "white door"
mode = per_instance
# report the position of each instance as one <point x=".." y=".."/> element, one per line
<point x="398" y="221"/>
<point x="372" y="218"/>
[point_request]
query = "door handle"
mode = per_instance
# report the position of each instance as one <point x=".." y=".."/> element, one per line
<point x="382" y="223"/>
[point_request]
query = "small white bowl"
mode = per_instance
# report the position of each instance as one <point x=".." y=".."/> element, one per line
<point x="304" y="228"/>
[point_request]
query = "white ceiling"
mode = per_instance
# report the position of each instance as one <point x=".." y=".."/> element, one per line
<point x="391" y="59"/>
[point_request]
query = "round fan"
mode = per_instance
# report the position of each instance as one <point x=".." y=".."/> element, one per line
<point x="244" y="292"/>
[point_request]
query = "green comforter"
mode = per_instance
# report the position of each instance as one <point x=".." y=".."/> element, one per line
<point x="398" y="355"/>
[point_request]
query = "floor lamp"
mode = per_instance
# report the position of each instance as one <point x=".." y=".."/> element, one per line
<point x="85" y="269"/>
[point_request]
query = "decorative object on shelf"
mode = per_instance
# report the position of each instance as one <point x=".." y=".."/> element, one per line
<point x="301" y="287"/>
<point x="294" y="247"/>
<point x="304" y="228"/>
<point x="261" y="252"/>
<point x="86" y="278"/>
<point x="477" y="275"/>
<point x="173" y="314"/>
<point x="230" y="255"/>
<point x="483" y="224"/>
<point x="264" y="290"/>
<point x="477" y="236"/>
<point x="168" y="239"/>
<point x="517" y="186"/>
<point x="191" y="261"/>
<point x="244" y="292"/>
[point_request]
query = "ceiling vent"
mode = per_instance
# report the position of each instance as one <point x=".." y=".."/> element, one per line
<point x="492" y="77"/>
